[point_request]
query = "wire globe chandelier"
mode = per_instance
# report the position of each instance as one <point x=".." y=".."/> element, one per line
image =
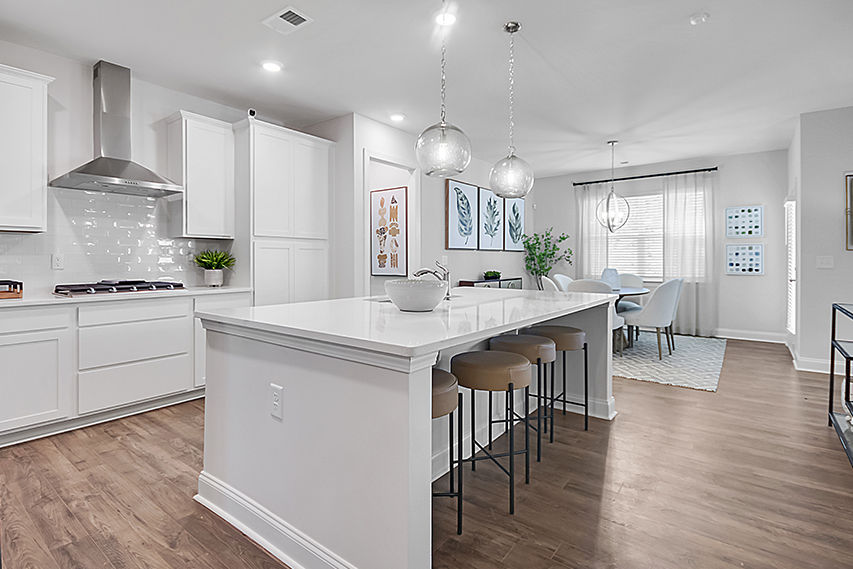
<point x="613" y="211"/>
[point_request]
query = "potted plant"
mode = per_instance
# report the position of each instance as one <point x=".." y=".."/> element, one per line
<point x="213" y="263"/>
<point x="491" y="275"/>
<point x="542" y="252"/>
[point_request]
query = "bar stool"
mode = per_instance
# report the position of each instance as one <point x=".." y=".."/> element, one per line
<point x="567" y="339"/>
<point x="497" y="371"/>
<point x="447" y="400"/>
<point x="538" y="350"/>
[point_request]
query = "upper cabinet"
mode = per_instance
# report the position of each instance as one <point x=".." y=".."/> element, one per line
<point x="201" y="158"/>
<point x="290" y="174"/>
<point x="23" y="150"/>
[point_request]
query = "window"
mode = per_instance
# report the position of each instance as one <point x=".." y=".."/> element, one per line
<point x="637" y="247"/>
<point x="791" y="246"/>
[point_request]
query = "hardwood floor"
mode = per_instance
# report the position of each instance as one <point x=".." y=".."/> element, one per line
<point x="747" y="477"/>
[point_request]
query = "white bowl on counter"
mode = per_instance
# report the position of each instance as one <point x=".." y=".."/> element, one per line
<point x="416" y="295"/>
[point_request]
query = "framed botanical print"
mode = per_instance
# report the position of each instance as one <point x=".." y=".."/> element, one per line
<point x="460" y="211"/>
<point x="490" y="224"/>
<point x="514" y="224"/>
<point x="389" y="229"/>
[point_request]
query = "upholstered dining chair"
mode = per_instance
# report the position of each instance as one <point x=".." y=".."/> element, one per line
<point x="611" y="277"/>
<point x="627" y="280"/>
<point x="670" y="331"/>
<point x="657" y="312"/>
<point x="590" y="285"/>
<point x="562" y="280"/>
<point x="548" y="284"/>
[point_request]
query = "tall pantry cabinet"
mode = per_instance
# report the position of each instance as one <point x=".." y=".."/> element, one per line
<point x="283" y="180"/>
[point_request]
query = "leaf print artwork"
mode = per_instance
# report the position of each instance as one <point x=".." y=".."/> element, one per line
<point x="515" y="224"/>
<point x="491" y="219"/>
<point x="465" y="226"/>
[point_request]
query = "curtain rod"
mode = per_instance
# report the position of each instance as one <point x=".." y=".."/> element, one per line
<point x="714" y="169"/>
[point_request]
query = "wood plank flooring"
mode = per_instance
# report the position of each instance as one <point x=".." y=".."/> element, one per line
<point x="747" y="477"/>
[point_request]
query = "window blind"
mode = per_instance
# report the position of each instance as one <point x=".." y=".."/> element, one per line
<point x="637" y="247"/>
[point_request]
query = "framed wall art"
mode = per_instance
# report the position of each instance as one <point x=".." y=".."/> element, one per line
<point x="491" y="221"/>
<point x="460" y="215"/>
<point x="514" y="224"/>
<point x="745" y="221"/>
<point x="747" y="259"/>
<point x="389" y="228"/>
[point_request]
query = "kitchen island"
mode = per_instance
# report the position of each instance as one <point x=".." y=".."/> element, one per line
<point x="318" y="433"/>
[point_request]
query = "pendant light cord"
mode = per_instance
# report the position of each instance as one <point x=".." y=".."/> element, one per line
<point x="443" y="77"/>
<point x="612" y="163"/>
<point x="511" y="92"/>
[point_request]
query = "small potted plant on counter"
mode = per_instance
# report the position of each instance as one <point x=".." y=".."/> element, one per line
<point x="491" y="275"/>
<point x="213" y="263"/>
<point x="542" y="252"/>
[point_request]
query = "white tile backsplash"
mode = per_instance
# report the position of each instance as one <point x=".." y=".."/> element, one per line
<point x="102" y="236"/>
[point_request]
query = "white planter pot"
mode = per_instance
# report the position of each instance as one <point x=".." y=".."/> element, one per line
<point x="213" y="277"/>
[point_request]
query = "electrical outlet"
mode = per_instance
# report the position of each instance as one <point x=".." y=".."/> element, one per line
<point x="277" y="401"/>
<point x="57" y="261"/>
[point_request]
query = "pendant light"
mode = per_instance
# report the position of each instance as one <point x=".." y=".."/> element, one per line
<point x="443" y="150"/>
<point x="612" y="212"/>
<point x="511" y="177"/>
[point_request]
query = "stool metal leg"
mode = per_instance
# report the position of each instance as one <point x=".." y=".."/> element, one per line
<point x="473" y="431"/>
<point x="539" y="414"/>
<point x="450" y="449"/>
<point x="490" y="423"/>
<point x="527" y="435"/>
<point x="551" y="413"/>
<point x="544" y="407"/>
<point x="510" y="410"/>
<point x="585" y="387"/>
<point x="459" y="463"/>
<point x="564" y="382"/>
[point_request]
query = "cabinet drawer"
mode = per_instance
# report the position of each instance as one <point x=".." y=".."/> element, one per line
<point x="133" y="341"/>
<point x="121" y="385"/>
<point x="14" y="320"/>
<point x="134" y="311"/>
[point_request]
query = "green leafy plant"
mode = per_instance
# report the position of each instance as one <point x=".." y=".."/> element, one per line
<point x="213" y="260"/>
<point x="542" y="252"/>
<point x="491" y="275"/>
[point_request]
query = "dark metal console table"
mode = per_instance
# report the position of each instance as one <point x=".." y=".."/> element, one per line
<point x="841" y="421"/>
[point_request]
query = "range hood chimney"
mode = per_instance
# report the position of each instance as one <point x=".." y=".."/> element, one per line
<point x="112" y="170"/>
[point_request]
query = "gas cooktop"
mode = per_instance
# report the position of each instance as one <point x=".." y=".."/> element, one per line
<point x="114" y="286"/>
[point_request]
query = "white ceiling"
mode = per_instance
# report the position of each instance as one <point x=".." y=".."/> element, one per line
<point x="586" y="71"/>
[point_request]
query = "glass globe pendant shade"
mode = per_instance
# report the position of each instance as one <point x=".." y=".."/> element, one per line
<point x="511" y="177"/>
<point x="443" y="150"/>
<point x="612" y="212"/>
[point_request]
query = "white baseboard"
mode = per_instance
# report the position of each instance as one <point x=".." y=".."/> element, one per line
<point x="752" y="335"/>
<point x="280" y="539"/>
<point x="818" y="365"/>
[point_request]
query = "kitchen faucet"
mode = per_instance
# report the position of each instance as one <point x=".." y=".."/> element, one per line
<point x="442" y="274"/>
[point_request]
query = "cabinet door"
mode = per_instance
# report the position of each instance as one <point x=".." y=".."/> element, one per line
<point x="311" y="190"/>
<point x="311" y="271"/>
<point x="273" y="272"/>
<point x="273" y="183"/>
<point x="209" y="180"/>
<point x="216" y="302"/>
<point x="36" y="379"/>
<point x="23" y="151"/>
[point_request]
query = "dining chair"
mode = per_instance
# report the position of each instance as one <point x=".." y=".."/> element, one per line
<point x="670" y="331"/>
<point x="658" y="311"/>
<point x="548" y="284"/>
<point x="611" y="277"/>
<point x="591" y="285"/>
<point x="562" y="280"/>
<point x="627" y="280"/>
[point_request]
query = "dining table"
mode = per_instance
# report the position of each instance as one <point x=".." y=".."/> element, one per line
<point x="629" y="291"/>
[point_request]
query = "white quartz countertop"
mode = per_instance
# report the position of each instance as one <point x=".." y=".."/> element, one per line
<point x="53" y="300"/>
<point x="374" y="323"/>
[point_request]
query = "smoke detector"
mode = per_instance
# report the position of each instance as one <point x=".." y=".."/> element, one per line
<point x="287" y="20"/>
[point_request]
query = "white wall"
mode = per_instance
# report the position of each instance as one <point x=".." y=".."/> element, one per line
<point x="749" y="307"/>
<point x="826" y="155"/>
<point x="101" y="236"/>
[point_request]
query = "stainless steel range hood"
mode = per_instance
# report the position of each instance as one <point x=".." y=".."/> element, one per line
<point x="112" y="171"/>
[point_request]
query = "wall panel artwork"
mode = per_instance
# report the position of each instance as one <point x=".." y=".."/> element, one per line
<point x="389" y="230"/>
<point x="514" y="224"/>
<point x="745" y="221"/>
<point x="491" y="221"/>
<point x="747" y="259"/>
<point x="460" y="212"/>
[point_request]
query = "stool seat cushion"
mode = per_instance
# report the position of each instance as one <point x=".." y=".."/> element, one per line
<point x="491" y="370"/>
<point x="567" y="338"/>
<point x="445" y="391"/>
<point x="532" y="347"/>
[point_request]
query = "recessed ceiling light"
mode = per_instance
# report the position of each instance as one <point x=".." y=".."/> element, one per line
<point x="445" y="19"/>
<point x="272" y="66"/>
<point x="398" y="117"/>
<point x="699" y="18"/>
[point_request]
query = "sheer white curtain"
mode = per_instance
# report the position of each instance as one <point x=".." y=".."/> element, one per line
<point x="688" y="249"/>
<point x="592" y="238"/>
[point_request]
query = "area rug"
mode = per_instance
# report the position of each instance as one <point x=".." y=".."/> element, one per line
<point x="695" y="363"/>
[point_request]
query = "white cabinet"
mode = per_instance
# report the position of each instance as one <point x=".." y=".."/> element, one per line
<point x="23" y="150"/>
<point x="290" y="270"/>
<point x="216" y="302"/>
<point x="201" y="158"/>
<point x="311" y="189"/>
<point x="310" y="271"/>
<point x="36" y="349"/>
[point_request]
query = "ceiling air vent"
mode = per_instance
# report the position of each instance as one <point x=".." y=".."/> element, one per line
<point x="287" y="20"/>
